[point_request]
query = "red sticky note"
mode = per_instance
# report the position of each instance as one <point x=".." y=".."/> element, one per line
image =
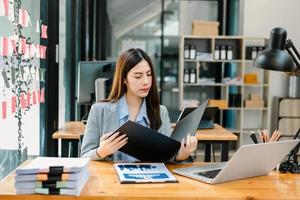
<point x="13" y="104"/>
<point x="33" y="98"/>
<point x="44" y="31"/>
<point x="4" y="110"/>
<point x="23" y="102"/>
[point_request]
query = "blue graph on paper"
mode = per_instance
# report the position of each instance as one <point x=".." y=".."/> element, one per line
<point x="144" y="172"/>
<point x="139" y="176"/>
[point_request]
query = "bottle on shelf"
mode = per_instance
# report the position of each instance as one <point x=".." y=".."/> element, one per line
<point x="259" y="49"/>
<point x="186" y="52"/>
<point x="193" y="52"/>
<point x="192" y="76"/>
<point x="229" y="52"/>
<point x="186" y="76"/>
<point x="223" y="52"/>
<point x="217" y="52"/>
<point x="253" y="52"/>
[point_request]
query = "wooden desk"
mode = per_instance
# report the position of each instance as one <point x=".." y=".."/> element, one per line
<point x="69" y="135"/>
<point x="218" y="135"/>
<point x="104" y="184"/>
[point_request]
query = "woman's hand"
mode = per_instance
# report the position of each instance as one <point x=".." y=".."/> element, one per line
<point x="110" y="143"/>
<point x="187" y="148"/>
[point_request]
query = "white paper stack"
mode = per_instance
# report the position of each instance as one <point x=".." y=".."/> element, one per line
<point x="51" y="175"/>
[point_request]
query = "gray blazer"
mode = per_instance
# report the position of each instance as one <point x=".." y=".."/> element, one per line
<point x="103" y="118"/>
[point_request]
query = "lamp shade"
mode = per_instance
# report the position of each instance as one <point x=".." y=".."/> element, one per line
<point x="275" y="57"/>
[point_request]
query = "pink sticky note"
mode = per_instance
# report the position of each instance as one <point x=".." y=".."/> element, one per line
<point x="22" y="46"/>
<point x="13" y="44"/>
<point x="33" y="98"/>
<point x="4" y="110"/>
<point x="4" y="46"/>
<point x="28" y="98"/>
<point x="5" y="2"/>
<point x="43" y="51"/>
<point x="39" y="96"/>
<point x="43" y="95"/>
<point x="23" y="102"/>
<point x="13" y="104"/>
<point x="44" y="31"/>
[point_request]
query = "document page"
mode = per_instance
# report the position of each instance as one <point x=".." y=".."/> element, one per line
<point x="143" y="173"/>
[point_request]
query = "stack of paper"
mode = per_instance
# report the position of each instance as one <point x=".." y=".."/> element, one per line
<point x="48" y="175"/>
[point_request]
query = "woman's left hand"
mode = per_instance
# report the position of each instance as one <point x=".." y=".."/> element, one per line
<point x="187" y="148"/>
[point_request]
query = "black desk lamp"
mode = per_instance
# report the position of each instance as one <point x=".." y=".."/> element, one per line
<point x="274" y="57"/>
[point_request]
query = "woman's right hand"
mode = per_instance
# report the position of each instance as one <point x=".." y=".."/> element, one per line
<point x="110" y="143"/>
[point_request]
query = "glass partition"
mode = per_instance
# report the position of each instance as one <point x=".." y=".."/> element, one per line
<point x="20" y="76"/>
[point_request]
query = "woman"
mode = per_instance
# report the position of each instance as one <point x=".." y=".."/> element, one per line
<point x="133" y="97"/>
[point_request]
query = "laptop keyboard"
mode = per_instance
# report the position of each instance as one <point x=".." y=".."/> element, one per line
<point x="209" y="174"/>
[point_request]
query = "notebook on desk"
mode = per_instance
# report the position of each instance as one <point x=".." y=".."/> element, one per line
<point x="149" y="145"/>
<point x="248" y="161"/>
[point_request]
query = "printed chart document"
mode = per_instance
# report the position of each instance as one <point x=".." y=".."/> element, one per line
<point x="144" y="173"/>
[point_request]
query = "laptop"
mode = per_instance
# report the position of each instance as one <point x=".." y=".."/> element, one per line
<point x="147" y="144"/>
<point x="248" y="161"/>
<point x="207" y="120"/>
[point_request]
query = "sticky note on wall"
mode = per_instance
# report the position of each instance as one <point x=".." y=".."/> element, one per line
<point x="3" y="7"/>
<point x="44" y="31"/>
<point x="3" y="46"/>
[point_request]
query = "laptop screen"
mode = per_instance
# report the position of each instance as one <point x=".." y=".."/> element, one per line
<point x="209" y="113"/>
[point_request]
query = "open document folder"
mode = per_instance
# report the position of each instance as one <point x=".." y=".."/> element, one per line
<point x="144" y="173"/>
<point x="148" y="145"/>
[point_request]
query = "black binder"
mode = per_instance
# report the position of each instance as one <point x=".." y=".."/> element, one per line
<point x="147" y="144"/>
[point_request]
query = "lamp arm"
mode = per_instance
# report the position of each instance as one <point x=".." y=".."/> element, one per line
<point x="295" y="56"/>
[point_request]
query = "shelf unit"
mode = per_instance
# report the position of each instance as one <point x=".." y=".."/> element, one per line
<point x="210" y="76"/>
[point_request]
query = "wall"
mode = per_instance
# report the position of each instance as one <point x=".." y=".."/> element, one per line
<point x="259" y="17"/>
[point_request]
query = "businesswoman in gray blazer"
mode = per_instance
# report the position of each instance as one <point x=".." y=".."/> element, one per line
<point x="133" y="97"/>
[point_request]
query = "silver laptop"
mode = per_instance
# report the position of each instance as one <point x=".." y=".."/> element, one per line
<point x="249" y="161"/>
<point x="189" y="123"/>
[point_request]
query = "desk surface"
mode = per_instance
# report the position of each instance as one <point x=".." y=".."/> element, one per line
<point x="73" y="130"/>
<point x="104" y="183"/>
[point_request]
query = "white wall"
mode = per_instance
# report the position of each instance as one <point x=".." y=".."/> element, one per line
<point x="258" y="19"/>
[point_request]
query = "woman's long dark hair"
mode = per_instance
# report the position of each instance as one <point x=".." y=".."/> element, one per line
<point x="126" y="61"/>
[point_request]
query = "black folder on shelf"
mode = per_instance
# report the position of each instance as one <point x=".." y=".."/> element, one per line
<point x="149" y="145"/>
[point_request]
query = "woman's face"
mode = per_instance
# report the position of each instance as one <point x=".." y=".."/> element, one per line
<point x="139" y="80"/>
